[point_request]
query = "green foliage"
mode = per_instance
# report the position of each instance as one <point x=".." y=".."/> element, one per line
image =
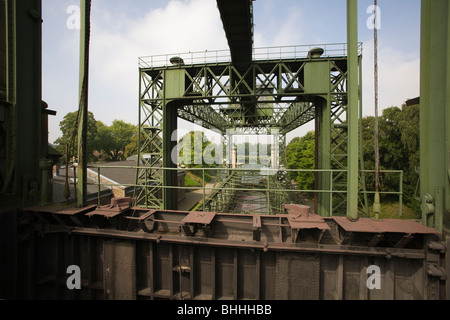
<point x="189" y="182"/>
<point x="110" y="141"/>
<point x="132" y="148"/>
<point x="69" y="135"/>
<point x="399" y="150"/>
<point x="113" y="140"/>
<point x="192" y="149"/>
<point x="300" y="154"/>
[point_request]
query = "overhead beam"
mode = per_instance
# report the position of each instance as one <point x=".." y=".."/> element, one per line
<point x="237" y="19"/>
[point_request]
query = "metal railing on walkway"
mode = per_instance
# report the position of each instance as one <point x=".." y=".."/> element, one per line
<point x="265" y="180"/>
<point x="259" y="54"/>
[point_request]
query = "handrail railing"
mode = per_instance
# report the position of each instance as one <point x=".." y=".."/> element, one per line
<point x="259" y="54"/>
<point x="265" y="172"/>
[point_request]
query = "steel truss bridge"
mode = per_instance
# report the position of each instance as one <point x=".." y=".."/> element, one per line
<point x="255" y="91"/>
<point x="277" y="94"/>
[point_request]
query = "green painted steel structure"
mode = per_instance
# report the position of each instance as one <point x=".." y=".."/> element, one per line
<point x="286" y="94"/>
<point x="280" y="91"/>
<point x="435" y="114"/>
<point x="21" y="104"/>
<point x="352" y="113"/>
<point x="219" y="95"/>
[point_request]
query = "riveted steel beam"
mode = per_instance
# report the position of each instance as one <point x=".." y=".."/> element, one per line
<point x="284" y="93"/>
<point x="435" y="114"/>
<point x="353" y="110"/>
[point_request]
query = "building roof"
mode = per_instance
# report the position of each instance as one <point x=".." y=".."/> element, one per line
<point x="413" y="102"/>
<point x="119" y="172"/>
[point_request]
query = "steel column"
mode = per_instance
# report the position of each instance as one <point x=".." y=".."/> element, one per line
<point x="169" y="176"/>
<point x="352" y="112"/>
<point x="83" y="100"/>
<point x="323" y="108"/>
<point x="435" y="114"/>
<point x="27" y="71"/>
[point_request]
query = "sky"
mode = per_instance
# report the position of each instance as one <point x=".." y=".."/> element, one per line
<point x="123" y="31"/>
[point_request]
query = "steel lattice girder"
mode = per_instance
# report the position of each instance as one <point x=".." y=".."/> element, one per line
<point x="218" y="87"/>
<point x="278" y="94"/>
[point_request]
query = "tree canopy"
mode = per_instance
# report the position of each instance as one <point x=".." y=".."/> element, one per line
<point x="69" y="135"/>
<point x="113" y="140"/>
<point x="399" y="150"/>
<point x="109" y="141"/>
<point x="195" y="150"/>
<point x="300" y="154"/>
<point x="399" y="139"/>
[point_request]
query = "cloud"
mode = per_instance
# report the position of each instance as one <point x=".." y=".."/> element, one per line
<point x="398" y="77"/>
<point x="118" y="40"/>
<point x="270" y="30"/>
<point x="398" y="81"/>
<point x="179" y="27"/>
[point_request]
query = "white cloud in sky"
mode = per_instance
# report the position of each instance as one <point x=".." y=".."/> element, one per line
<point x="116" y="43"/>
<point x="398" y="81"/>
<point x="179" y="27"/>
<point x="398" y="77"/>
<point x="286" y="32"/>
<point x="118" y="39"/>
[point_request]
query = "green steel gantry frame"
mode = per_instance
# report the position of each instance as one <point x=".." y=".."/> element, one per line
<point x="256" y="96"/>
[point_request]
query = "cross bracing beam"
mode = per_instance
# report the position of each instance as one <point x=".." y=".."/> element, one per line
<point x="209" y="118"/>
<point x="275" y="87"/>
<point x="281" y="94"/>
<point x="297" y="115"/>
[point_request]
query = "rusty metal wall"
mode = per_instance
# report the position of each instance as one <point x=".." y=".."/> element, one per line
<point x="120" y="264"/>
<point x="124" y="269"/>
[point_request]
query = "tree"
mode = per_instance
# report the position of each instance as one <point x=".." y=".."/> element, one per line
<point x="68" y="127"/>
<point x="300" y="154"/>
<point x="399" y="150"/>
<point x="104" y="140"/>
<point x="399" y="139"/>
<point x="193" y="148"/>
<point x="131" y="149"/>
<point x="112" y="140"/>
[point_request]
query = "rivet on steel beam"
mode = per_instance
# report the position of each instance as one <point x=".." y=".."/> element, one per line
<point x="388" y="254"/>
<point x="434" y="271"/>
<point x="438" y="246"/>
